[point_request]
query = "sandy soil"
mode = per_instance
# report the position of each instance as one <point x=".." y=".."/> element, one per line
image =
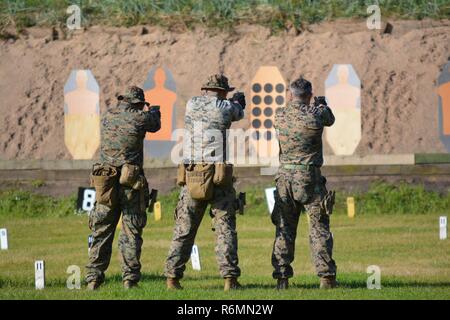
<point x="398" y="73"/>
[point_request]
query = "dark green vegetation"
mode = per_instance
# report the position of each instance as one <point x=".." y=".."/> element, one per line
<point x="276" y="14"/>
<point x="381" y="198"/>
<point x="414" y="262"/>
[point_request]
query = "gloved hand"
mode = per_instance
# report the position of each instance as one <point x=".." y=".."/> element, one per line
<point x="155" y="110"/>
<point x="320" y="100"/>
<point x="239" y="97"/>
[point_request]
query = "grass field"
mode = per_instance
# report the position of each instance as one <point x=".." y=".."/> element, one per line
<point x="276" y="14"/>
<point x="414" y="263"/>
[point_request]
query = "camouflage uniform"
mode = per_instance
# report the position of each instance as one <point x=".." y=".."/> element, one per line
<point x="206" y="113"/>
<point x="123" y="131"/>
<point x="300" y="186"/>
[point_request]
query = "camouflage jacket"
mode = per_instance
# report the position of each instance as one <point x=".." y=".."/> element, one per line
<point x="207" y="120"/>
<point x="123" y="131"/>
<point x="299" y="128"/>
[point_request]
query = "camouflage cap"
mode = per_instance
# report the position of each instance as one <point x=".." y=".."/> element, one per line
<point x="218" y="82"/>
<point x="134" y="95"/>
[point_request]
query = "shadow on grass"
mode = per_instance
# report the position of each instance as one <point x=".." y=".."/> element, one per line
<point x="353" y="285"/>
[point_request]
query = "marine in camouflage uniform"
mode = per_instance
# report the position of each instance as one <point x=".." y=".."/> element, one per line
<point x="210" y="111"/>
<point x="300" y="185"/>
<point x="123" y="129"/>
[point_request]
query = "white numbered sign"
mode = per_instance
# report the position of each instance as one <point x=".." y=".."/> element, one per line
<point x="88" y="200"/>
<point x="195" y="258"/>
<point x="39" y="274"/>
<point x="443" y="227"/>
<point x="4" y="239"/>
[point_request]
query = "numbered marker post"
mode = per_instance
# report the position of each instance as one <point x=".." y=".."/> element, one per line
<point x="195" y="258"/>
<point x="39" y="274"/>
<point x="4" y="239"/>
<point x="351" y="207"/>
<point x="157" y="211"/>
<point x="443" y="227"/>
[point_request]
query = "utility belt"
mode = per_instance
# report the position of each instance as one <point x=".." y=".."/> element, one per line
<point x="201" y="178"/>
<point x="106" y="179"/>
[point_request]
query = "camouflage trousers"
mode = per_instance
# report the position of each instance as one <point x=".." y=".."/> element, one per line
<point x="103" y="221"/>
<point x="298" y="191"/>
<point x="188" y="216"/>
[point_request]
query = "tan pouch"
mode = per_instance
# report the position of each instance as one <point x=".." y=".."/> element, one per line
<point x="223" y="174"/>
<point x="199" y="181"/>
<point x="104" y="179"/>
<point x="181" y="175"/>
<point x="130" y="176"/>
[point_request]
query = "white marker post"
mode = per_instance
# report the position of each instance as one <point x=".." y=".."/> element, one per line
<point x="39" y="274"/>
<point x="4" y="239"/>
<point x="270" y="197"/>
<point x="443" y="227"/>
<point x="195" y="258"/>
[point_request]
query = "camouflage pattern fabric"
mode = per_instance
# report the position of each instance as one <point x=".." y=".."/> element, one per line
<point x="203" y="115"/>
<point x="103" y="222"/>
<point x="122" y="134"/>
<point x="207" y="119"/>
<point x="217" y="81"/>
<point x="123" y="131"/>
<point x="299" y="129"/>
<point x="188" y="216"/>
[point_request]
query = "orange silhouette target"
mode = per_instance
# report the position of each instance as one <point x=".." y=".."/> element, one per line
<point x="160" y="89"/>
<point x="443" y="91"/>
<point x="81" y="114"/>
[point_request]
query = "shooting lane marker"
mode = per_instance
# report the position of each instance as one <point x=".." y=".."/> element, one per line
<point x="351" y="207"/>
<point x="443" y="227"/>
<point x="443" y="91"/>
<point x="4" y="239"/>
<point x="268" y="93"/>
<point x="157" y="211"/>
<point x="85" y="199"/>
<point x="343" y="93"/>
<point x="81" y="114"/>
<point x="160" y="89"/>
<point x="39" y="274"/>
<point x="195" y="258"/>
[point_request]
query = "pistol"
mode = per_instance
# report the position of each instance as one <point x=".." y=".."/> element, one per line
<point x="241" y="202"/>
<point x="153" y="198"/>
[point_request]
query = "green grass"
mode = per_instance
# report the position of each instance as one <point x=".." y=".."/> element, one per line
<point x="414" y="262"/>
<point x="276" y="14"/>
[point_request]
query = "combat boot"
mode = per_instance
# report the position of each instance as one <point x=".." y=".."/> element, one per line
<point x="127" y="284"/>
<point x="328" y="282"/>
<point x="231" y="284"/>
<point x="93" y="285"/>
<point x="282" y="284"/>
<point x="173" y="284"/>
